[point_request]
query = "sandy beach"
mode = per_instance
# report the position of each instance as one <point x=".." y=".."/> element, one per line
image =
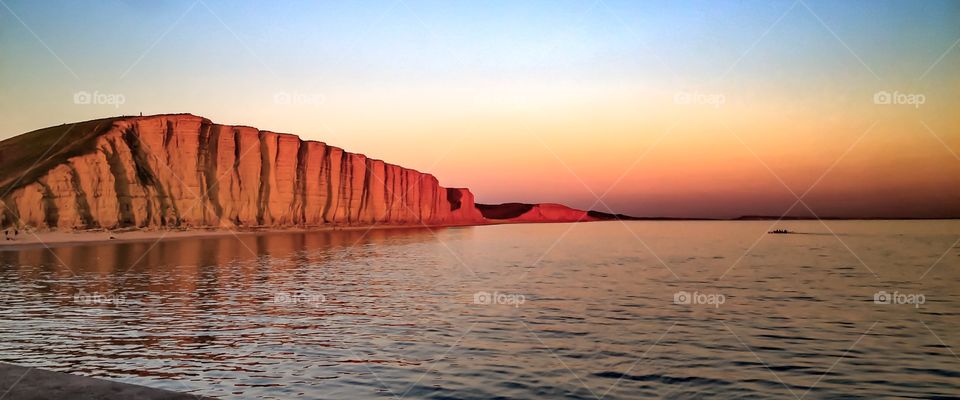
<point x="26" y="240"/>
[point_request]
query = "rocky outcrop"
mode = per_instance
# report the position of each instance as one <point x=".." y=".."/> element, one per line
<point x="544" y="212"/>
<point x="185" y="171"/>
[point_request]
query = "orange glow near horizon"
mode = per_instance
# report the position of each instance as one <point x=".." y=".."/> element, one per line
<point x="517" y="111"/>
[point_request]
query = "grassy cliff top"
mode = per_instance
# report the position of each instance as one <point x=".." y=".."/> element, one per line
<point x="26" y="157"/>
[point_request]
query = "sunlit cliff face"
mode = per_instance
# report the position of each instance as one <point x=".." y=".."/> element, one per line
<point x="184" y="171"/>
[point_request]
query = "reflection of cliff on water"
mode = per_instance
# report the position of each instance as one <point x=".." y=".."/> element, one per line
<point x="121" y="258"/>
<point x="219" y="294"/>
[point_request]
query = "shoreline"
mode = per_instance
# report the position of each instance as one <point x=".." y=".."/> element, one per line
<point x="45" y="239"/>
<point x="25" y="383"/>
<point x="79" y="238"/>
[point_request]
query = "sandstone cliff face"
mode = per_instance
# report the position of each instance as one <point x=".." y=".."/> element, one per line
<point x="185" y="171"/>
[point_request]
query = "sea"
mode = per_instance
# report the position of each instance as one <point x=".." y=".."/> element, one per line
<point x="600" y="310"/>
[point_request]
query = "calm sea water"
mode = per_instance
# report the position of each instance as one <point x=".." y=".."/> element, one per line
<point x="851" y="309"/>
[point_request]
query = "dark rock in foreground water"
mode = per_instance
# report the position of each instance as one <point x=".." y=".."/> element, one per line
<point x="22" y="383"/>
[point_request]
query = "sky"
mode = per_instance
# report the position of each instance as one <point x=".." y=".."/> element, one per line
<point x="650" y="108"/>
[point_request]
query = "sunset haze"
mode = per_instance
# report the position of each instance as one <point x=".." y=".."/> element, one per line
<point x="660" y="108"/>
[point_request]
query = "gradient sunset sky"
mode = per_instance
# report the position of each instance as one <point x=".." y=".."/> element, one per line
<point x="662" y="108"/>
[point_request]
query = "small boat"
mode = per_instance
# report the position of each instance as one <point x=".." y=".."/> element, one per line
<point x="779" y="231"/>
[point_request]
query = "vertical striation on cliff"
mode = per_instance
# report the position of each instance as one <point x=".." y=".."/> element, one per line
<point x="185" y="171"/>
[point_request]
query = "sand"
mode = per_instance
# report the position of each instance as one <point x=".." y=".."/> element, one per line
<point x="26" y="240"/>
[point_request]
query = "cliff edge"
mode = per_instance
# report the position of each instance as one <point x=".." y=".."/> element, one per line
<point x="184" y="171"/>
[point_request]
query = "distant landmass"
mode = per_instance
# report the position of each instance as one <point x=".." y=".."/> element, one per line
<point x="828" y="218"/>
<point x="183" y="171"/>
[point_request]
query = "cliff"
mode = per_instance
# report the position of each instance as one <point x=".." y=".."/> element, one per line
<point x="185" y="171"/>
